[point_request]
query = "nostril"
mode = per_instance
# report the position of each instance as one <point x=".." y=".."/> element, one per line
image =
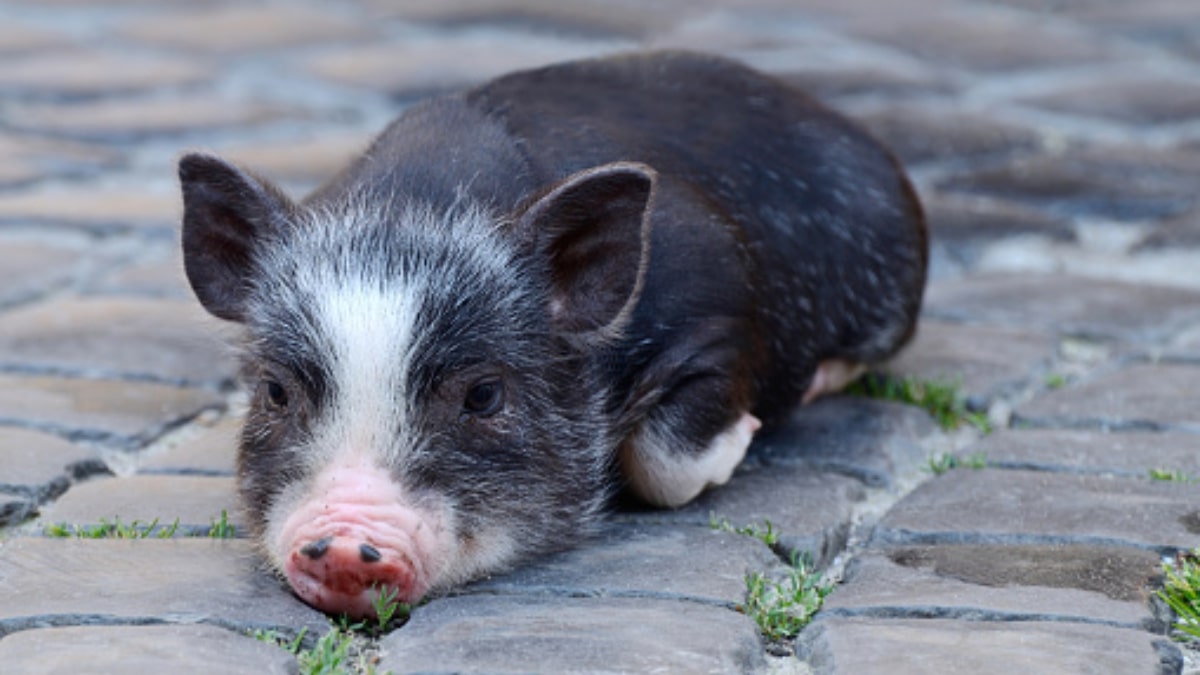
<point x="315" y="549"/>
<point x="369" y="553"/>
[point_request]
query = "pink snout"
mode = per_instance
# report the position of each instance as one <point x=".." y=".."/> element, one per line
<point x="355" y="537"/>
<point x="344" y="574"/>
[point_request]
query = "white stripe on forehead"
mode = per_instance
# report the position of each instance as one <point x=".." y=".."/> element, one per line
<point x="370" y="333"/>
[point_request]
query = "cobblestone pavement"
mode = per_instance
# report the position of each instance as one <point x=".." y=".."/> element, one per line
<point x="1056" y="144"/>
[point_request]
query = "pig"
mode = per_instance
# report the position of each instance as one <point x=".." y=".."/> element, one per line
<point x="598" y="276"/>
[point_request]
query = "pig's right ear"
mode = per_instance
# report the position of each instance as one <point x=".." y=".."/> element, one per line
<point x="593" y="229"/>
<point x="226" y="214"/>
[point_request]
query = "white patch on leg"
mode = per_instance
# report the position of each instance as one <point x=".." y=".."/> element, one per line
<point x="832" y="376"/>
<point x="662" y="475"/>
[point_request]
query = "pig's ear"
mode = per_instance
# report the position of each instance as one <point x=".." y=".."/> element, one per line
<point x="226" y="214"/>
<point x="594" y="230"/>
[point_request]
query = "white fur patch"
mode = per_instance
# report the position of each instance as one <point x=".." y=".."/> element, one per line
<point x="663" y="476"/>
<point x="370" y="330"/>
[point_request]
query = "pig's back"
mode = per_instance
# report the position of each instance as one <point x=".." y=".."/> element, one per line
<point x="761" y="186"/>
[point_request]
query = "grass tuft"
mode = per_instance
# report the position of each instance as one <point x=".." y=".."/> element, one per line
<point x="338" y="652"/>
<point x="943" y="400"/>
<point x="389" y="609"/>
<point x="1172" y="476"/>
<point x="222" y="528"/>
<point x="940" y="464"/>
<point x="1181" y="590"/>
<point x="766" y="534"/>
<point x="114" y="530"/>
<point x="781" y="609"/>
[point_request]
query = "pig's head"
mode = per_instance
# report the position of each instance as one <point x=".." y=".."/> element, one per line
<point x="422" y="404"/>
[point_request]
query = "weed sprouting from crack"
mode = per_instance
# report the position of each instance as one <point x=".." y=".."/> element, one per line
<point x="940" y="464"/>
<point x="1181" y="591"/>
<point x="220" y="528"/>
<point x="942" y="399"/>
<point x="340" y="651"/>
<point x="113" y="530"/>
<point x="766" y="534"/>
<point x="782" y="608"/>
<point x="1170" y="476"/>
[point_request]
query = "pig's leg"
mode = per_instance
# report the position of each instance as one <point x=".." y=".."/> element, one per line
<point x="669" y="459"/>
<point x="832" y="376"/>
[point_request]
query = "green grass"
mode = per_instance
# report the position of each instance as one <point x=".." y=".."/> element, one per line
<point x="388" y="610"/>
<point x="114" y="530"/>
<point x="782" y="608"/>
<point x="222" y="529"/>
<point x="1055" y="381"/>
<point x="940" y="464"/>
<point x="766" y="534"/>
<point x="343" y="650"/>
<point x="943" y="400"/>
<point x="1181" y="590"/>
<point x="1170" y="475"/>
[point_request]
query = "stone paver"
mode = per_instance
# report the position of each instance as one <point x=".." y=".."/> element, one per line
<point x="34" y="459"/>
<point x="650" y="561"/>
<point x="985" y="361"/>
<point x="141" y="338"/>
<point x="1138" y="395"/>
<point x="126" y="649"/>
<point x="47" y="582"/>
<point x="29" y="269"/>
<point x="195" y="502"/>
<point x="1083" y="584"/>
<point x="1130" y="453"/>
<point x="120" y="413"/>
<point x="1070" y="305"/>
<point x="912" y="647"/>
<point x="991" y="506"/>
<point x="572" y="635"/>
<point x="1052" y="142"/>
<point x="206" y="450"/>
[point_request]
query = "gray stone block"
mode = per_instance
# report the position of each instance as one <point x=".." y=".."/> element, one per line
<point x="1126" y="453"/>
<point x="1084" y="584"/>
<point x="486" y="634"/>
<point x="644" y="561"/>
<point x="134" y="650"/>
<point x="855" y="646"/>
<point x="196" y="501"/>
<point x="1026" y="507"/>
<point x="1137" y="396"/>
<point x="116" y="413"/>
<point x="63" y="582"/>
<point x="1066" y="305"/>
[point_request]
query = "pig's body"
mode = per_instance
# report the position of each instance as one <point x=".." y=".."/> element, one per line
<point x="613" y="264"/>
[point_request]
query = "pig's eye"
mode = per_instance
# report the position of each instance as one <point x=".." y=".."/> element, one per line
<point x="276" y="394"/>
<point x="484" y="398"/>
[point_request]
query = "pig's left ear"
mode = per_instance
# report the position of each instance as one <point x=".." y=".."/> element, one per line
<point x="593" y="228"/>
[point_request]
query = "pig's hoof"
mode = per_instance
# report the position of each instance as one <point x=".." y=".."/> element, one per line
<point x="832" y="376"/>
<point x="340" y="575"/>
<point x="663" y="474"/>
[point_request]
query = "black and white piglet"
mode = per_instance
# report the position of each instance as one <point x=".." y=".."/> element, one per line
<point x="595" y="274"/>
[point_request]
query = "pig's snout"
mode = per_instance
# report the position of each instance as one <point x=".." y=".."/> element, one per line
<point x="354" y="537"/>
<point x="343" y="574"/>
